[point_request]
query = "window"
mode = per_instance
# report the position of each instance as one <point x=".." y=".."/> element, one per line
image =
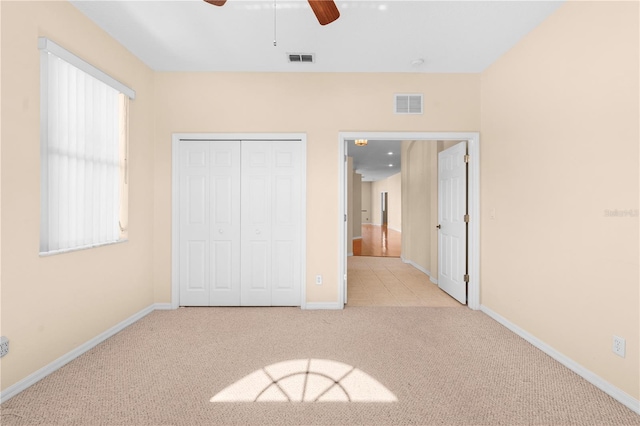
<point x="84" y="132"/>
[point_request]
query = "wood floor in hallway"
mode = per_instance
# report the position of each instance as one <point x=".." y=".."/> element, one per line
<point x="378" y="240"/>
<point x="385" y="281"/>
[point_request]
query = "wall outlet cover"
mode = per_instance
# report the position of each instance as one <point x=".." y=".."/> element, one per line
<point x="619" y="346"/>
<point x="4" y="346"/>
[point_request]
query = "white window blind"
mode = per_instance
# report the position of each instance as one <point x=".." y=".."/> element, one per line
<point x="83" y="153"/>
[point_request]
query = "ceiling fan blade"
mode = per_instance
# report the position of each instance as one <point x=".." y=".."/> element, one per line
<point x="216" y="2"/>
<point x="326" y="11"/>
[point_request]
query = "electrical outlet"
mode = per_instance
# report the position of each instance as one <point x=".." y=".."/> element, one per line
<point x="619" y="346"/>
<point x="318" y="279"/>
<point x="4" y="346"/>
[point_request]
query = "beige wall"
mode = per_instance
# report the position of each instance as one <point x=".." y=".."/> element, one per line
<point x="354" y="205"/>
<point x="321" y="105"/>
<point x="393" y="186"/>
<point x="350" y="213"/>
<point x="51" y="305"/>
<point x="357" y="205"/>
<point x="366" y="202"/>
<point x="416" y="202"/>
<point x="560" y="133"/>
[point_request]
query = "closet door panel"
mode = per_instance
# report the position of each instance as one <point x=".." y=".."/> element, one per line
<point x="225" y="228"/>
<point x="194" y="181"/>
<point x="286" y="229"/>
<point x="256" y="194"/>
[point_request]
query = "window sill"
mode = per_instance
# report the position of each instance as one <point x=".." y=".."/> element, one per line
<point x="68" y="250"/>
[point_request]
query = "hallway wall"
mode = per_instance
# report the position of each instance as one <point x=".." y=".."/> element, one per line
<point x="416" y="202"/>
<point x="392" y="185"/>
<point x="366" y="202"/>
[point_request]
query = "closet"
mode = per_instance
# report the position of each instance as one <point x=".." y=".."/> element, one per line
<point x="239" y="225"/>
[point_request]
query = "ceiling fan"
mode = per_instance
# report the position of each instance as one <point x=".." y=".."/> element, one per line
<point x="325" y="10"/>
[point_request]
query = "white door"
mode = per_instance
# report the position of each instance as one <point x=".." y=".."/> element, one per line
<point x="209" y="227"/>
<point x="271" y="223"/>
<point x="452" y="235"/>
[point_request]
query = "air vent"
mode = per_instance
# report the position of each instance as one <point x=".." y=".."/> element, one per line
<point x="408" y="104"/>
<point x="301" y="57"/>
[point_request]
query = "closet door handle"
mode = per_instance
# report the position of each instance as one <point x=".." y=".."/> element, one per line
<point x="257" y="231"/>
<point x="220" y="231"/>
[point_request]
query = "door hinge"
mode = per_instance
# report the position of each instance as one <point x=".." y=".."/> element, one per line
<point x="345" y="158"/>
<point x="466" y="278"/>
<point x="466" y="218"/>
<point x="467" y="158"/>
<point x="345" y="217"/>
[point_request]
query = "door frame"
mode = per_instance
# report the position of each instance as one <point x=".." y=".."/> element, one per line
<point x="473" y="206"/>
<point x="175" y="197"/>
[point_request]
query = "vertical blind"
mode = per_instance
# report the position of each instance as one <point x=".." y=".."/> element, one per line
<point x="81" y="157"/>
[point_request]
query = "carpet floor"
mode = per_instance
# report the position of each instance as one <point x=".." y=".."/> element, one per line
<point x="397" y="365"/>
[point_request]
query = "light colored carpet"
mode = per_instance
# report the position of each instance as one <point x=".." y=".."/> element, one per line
<point x="444" y="366"/>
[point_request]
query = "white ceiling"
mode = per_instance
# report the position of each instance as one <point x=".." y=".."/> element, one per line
<point x="373" y="161"/>
<point x="369" y="36"/>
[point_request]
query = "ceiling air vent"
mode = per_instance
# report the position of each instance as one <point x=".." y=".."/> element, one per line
<point x="408" y="104"/>
<point x="301" y="57"/>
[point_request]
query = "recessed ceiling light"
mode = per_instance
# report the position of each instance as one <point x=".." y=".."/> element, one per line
<point x="390" y="165"/>
<point x="417" y="62"/>
<point x="390" y="153"/>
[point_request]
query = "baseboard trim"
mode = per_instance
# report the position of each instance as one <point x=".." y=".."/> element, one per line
<point x="163" y="307"/>
<point x="357" y="238"/>
<point x="321" y="305"/>
<point x="611" y="390"/>
<point x="23" y="384"/>
<point x="415" y="265"/>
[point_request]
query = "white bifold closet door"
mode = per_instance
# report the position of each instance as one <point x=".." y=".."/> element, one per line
<point x="209" y="223"/>
<point x="240" y="223"/>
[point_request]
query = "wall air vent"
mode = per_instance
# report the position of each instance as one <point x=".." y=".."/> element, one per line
<point x="408" y="104"/>
<point x="301" y="57"/>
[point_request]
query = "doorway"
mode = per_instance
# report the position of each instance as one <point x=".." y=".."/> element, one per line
<point x="384" y="208"/>
<point x="473" y="299"/>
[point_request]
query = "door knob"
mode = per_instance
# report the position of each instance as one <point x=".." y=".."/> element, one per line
<point x="438" y="226"/>
<point x="257" y="231"/>
<point x="220" y="230"/>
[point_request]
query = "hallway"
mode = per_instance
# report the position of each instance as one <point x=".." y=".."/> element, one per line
<point x="376" y="281"/>
<point x="378" y="241"/>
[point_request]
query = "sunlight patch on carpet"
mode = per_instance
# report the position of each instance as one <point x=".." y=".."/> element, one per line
<point x="306" y="380"/>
